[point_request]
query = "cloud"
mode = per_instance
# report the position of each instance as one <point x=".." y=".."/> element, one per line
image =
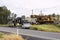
<point x="24" y="7"/>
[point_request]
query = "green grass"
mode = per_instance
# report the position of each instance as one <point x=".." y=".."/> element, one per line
<point x="45" y="27"/>
<point x="12" y="25"/>
<point x="3" y="24"/>
<point x="1" y="34"/>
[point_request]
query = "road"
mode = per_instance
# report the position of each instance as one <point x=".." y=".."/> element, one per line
<point x="33" y="33"/>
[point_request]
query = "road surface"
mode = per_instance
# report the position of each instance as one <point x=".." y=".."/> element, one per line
<point x="33" y="33"/>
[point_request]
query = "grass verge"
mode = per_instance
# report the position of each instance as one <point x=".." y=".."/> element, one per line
<point x="3" y="24"/>
<point x="45" y="27"/>
<point x="10" y="37"/>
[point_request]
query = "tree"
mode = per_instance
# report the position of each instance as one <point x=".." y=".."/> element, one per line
<point x="23" y="16"/>
<point x="13" y="16"/>
<point x="53" y="14"/>
<point x="4" y="14"/>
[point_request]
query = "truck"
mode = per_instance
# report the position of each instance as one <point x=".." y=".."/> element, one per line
<point x="21" y="22"/>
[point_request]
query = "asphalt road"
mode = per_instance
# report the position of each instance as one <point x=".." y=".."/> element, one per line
<point x="33" y="33"/>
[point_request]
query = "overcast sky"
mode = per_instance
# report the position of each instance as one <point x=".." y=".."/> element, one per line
<point x="24" y="7"/>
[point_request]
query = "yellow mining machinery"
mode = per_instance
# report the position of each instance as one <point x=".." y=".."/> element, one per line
<point x="42" y="19"/>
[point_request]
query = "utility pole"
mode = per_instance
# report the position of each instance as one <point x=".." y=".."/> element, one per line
<point x="32" y="12"/>
<point x="41" y="12"/>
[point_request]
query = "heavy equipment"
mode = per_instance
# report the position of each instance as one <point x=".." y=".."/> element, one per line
<point x="42" y="19"/>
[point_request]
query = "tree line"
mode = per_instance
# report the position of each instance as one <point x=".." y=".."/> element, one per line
<point x="6" y="15"/>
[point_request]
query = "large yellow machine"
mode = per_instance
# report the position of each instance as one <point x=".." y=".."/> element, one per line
<point x="42" y="19"/>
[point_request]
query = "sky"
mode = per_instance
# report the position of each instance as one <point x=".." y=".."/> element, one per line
<point x="25" y="7"/>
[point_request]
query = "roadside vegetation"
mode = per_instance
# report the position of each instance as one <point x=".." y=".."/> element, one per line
<point x="10" y="37"/>
<point x="42" y="27"/>
<point x="3" y="24"/>
<point x="6" y="15"/>
<point x="8" y="25"/>
<point x="46" y="27"/>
